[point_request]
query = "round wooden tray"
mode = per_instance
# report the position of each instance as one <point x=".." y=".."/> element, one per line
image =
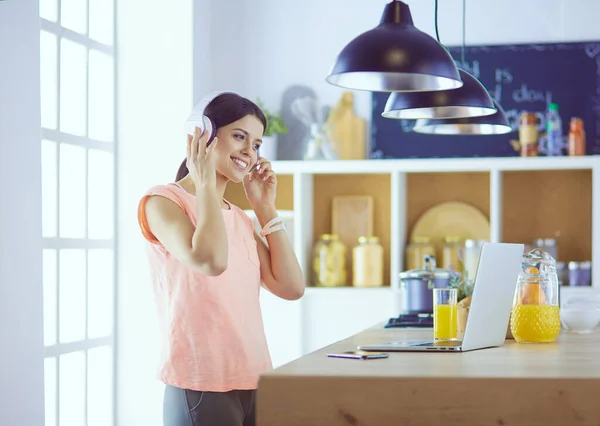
<point x="452" y="218"/>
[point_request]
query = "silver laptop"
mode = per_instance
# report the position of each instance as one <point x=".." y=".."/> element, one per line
<point x="491" y="304"/>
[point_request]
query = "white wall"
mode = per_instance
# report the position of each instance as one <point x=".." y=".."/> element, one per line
<point x="21" y="319"/>
<point x="155" y="93"/>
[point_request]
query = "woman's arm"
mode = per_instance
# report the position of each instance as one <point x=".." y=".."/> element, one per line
<point x="203" y="248"/>
<point x="169" y="224"/>
<point x="279" y="267"/>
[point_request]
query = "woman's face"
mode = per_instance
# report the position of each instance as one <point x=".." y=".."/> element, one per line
<point x="237" y="147"/>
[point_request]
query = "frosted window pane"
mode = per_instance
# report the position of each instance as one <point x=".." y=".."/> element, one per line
<point x="73" y="15"/>
<point x="73" y="97"/>
<point x="100" y="382"/>
<point x="48" y="79"/>
<point x="102" y="21"/>
<point x="101" y="194"/>
<point x="72" y="295"/>
<point x="72" y="191"/>
<point x="49" y="10"/>
<point x="71" y="391"/>
<point x="100" y="293"/>
<point x="49" y="189"/>
<point x="101" y="101"/>
<point x="50" y="269"/>
<point x="50" y="391"/>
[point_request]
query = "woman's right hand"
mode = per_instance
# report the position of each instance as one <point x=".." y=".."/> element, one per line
<point x="201" y="160"/>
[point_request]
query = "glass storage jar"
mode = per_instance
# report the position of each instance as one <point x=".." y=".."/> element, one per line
<point x="416" y="251"/>
<point x="367" y="263"/>
<point x="329" y="261"/>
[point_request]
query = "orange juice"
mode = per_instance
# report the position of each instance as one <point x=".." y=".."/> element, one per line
<point x="444" y="321"/>
<point x="535" y="323"/>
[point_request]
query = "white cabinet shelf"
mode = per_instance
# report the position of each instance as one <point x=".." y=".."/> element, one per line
<point x="328" y="314"/>
<point x="303" y="172"/>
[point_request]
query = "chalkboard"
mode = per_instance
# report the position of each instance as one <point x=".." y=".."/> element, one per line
<point x="522" y="77"/>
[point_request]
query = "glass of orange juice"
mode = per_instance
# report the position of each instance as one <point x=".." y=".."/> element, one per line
<point x="535" y="316"/>
<point x="445" y="314"/>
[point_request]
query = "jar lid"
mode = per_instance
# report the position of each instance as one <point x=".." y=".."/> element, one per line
<point x="368" y="239"/>
<point x="451" y="239"/>
<point x="425" y="274"/>
<point x="576" y="123"/>
<point x="474" y="243"/>
<point x="421" y="239"/>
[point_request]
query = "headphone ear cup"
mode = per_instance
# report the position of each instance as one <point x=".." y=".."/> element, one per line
<point x="211" y="128"/>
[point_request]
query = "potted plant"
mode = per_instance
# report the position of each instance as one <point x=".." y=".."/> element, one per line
<point x="464" y="285"/>
<point x="275" y="126"/>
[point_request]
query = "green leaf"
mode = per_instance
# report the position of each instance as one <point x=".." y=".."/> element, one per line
<point x="275" y="124"/>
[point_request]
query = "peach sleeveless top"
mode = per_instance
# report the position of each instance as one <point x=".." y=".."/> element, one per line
<point x="212" y="329"/>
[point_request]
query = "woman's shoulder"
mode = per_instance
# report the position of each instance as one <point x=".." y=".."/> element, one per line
<point x="170" y="191"/>
<point x="163" y="188"/>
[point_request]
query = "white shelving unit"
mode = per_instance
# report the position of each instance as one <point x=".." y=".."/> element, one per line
<point x="326" y="315"/>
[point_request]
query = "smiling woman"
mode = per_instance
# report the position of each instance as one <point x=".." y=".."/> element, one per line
<point x="208" y="264"/>
<point x="228" y="108"/>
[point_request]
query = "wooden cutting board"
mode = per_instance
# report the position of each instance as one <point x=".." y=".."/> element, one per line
<point x="351" y="217"/>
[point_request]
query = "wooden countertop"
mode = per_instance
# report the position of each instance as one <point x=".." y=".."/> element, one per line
<point x="516" y="384"/>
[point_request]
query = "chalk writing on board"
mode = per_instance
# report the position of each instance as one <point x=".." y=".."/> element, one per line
<point x="521" y="78"/>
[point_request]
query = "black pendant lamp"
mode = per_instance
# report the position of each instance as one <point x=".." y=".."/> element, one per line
<point x="495" y="124"/>
<point x="470" y="100"/>
<point x="395" y="56"/>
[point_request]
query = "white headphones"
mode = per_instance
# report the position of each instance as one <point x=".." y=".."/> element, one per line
<point x="198" y="119"/>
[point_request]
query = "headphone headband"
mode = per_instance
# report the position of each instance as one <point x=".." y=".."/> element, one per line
<point x="197" y="117"/>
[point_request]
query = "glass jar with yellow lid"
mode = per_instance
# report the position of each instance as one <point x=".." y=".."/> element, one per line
<point x="416" y="251"/>
<point x="367" y="263"/>
<point x="451" y="254"/>
<point x="329" y="261"/>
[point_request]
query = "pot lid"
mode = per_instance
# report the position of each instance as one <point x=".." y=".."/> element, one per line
<point x="429" y="273"/>
<point x="425" y="274"/>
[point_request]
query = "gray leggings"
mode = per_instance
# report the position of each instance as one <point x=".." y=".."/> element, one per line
<point x="182" y="407"/>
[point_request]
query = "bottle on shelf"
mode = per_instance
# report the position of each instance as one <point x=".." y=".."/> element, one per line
<point x="576" y="138"/>
<point x="416" y="251"/>
<point x="471" y="257"/>
<point x="451" y="254"/>
<point x="527" y="145"/>
<point x="554" y="134"/>
<point x="329" y="262"/>
<point x="367" y="263"/>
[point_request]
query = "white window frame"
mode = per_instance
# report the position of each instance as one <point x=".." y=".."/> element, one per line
<point x="57" y="243"/>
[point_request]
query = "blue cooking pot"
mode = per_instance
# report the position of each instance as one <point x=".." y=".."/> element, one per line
<point x="418" y="285"/>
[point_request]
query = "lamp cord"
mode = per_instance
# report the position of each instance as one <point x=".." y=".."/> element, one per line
<point x="464" y="19"/>
<point x="435" y="17"/>
<point x="462" y="50"/>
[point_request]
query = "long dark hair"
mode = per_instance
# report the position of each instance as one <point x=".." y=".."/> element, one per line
<point x="223" y="110"/>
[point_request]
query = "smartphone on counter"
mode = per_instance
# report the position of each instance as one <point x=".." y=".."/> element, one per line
<point x="359" y="355"/>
